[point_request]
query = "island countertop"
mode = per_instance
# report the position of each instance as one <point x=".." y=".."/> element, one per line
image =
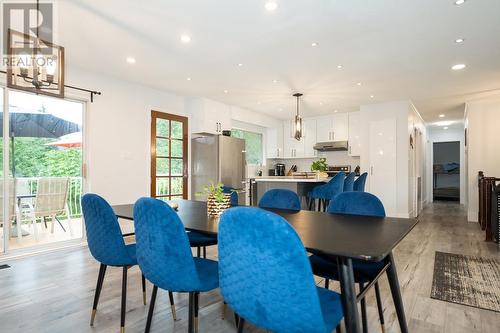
<point x="290" y="179"/>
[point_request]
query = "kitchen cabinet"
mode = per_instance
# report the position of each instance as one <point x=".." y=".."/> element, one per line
<point x="333" y="128"/>
<point x="208" y="116"/>
<point x="310" y="127"/>
<point x="274" y="142"/>
<point x="354" y="134"/>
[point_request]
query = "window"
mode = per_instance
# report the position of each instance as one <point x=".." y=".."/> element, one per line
<point x="253" y="145"/>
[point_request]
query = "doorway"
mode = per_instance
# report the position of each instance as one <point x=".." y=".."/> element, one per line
<point x="446" y="171"/>
<point x="169" y="156"/>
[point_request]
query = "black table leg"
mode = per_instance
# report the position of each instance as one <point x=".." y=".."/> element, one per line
<point x="349" y="301"/>
<point x="392" y="275"/>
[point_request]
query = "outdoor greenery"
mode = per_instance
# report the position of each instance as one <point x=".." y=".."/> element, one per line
<point x="253" y="145"/>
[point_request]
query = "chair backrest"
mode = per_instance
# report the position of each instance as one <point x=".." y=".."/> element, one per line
<point x="163" y="251"/>
<point x="234" y="195"/>
<point x="359" y="184"/>
<point x="12" y="198"/>
<point x="104" y="236"/>
<point x="51" y="195"/>
<point x="357" y="203"/>
<point x="280" y="199"/>
<point x="335" y="185"/>
<point x="349" y="182"/>
<point x="264" y="272"/>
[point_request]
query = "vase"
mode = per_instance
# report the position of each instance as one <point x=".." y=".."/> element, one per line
<point x="216" y="208"/>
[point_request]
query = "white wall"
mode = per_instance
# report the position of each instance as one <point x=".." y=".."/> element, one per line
<point x="483" y="154"/>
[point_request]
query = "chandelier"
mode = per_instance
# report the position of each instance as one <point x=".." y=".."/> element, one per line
<point x="298" y="129"/>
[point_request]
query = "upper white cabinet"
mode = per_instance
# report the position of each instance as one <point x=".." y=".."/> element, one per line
<point x="333" y="128"/>
<point x="274" y="142"/>
<point x="310" y="139"/>
<point x="354" y="134"/>
<point x="208" y="116"/>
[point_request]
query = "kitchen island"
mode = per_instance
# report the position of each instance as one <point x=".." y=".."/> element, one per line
<point x="298" y="184"/>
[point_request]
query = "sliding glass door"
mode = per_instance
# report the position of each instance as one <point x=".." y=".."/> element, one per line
<point x="44" y="178"/>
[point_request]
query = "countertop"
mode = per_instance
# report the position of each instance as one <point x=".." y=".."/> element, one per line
<point x="290" y="179"/>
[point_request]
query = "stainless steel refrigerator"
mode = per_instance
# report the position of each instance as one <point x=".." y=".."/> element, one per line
<point x="218" y="158"/>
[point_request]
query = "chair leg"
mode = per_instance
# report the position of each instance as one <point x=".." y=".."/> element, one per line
<point x="124" y="300"/>
<point x="224" y="308"/>
<point x="98" y="288"/>
<point x="191" y="313"/>
<point x="327" y="283"/>
<point x="205" y="252"/>
<point x="364" y="318"/>
<point x="319" y="205"/>
<point x="196" y="308"/>
<point x="379" y="306"/>
<point x="143" y="289"/>
<point x="44" y="222"/>
<point x="198" y="252"/>
<point x="172" y="305"/>
<point x="151" y="309"/>
<point x="60" y="224"/>
<point x="241" y="325"/>
<point x="338" y="330"/>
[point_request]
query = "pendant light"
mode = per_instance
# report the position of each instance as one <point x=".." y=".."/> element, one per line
<point x="298" y="130"/>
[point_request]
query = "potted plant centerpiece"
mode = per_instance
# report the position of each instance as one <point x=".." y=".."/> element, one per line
<point x="217" y="200"/>
<point x="320" y="167"/>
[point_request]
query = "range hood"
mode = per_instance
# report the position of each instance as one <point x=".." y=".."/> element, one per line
<point x="332" y="146"/>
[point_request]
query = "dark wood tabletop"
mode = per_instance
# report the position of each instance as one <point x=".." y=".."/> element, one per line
<point x="351" y="236"/>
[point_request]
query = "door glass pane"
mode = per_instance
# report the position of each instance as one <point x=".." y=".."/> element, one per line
<point x="176" y="130"/>
<point x="177" y="185"/>
<point x="162" y="187"/>
<point x="162" y="166"/>
<point x="176" y="167"/>
<point x="162" y="147"/>
<point x="162" y="127"/>
<point x="45" y="148"/>
<point x="177" y="148"/>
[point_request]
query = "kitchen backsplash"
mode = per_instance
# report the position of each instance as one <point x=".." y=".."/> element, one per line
<point x="304" y="164"/>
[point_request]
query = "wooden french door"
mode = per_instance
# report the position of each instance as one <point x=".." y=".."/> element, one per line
<point x="169" y="160"/>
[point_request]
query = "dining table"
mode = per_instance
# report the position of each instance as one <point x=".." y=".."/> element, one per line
<point x="342" y="237"/>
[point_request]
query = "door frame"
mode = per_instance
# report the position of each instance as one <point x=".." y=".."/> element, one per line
<point x="185" y="149"/>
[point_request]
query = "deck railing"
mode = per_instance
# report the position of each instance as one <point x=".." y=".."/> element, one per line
<point x="28" y="185"/>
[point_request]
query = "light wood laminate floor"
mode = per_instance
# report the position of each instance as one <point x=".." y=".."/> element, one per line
<point x="54" y="292"/>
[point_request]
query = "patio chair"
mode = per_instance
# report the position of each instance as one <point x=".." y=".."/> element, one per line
<point x="13" y="209"/>
<point x="51" y="200"/>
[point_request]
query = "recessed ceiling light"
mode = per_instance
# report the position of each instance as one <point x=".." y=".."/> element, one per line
<point x="258" y="103"/>
<point x="131" y="60"/>
<point x="459" y="2"/>
<point x="275" y="81"/>
<point x="185" y="38"/>
<point x="372" y="96"/>
<point x="188" y="79"/>
<point x="458" y="67"/>
<point x="271" y="6"/>
<point x="459" y="40"/>
<point x="335" y="111"/>
<point x="339" y="66"/>
<point x="443" y="123"/>
<point x="226" y="91"/>
<point x="441" y="116"/>
<point x="280" y="109"/>
<point x="320" y="103"/>
<point x="359" y="83"/>
<point x="446" y="127"/>
<point x="240" y="65"/>
<point x="314" y="44"/>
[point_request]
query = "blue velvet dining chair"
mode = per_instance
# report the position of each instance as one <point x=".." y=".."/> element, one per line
<point x="106" y="245"/>
<point x="325" y="193"/>
<point x="349" y="182"/>
<point x="280" y="199"/>
<point x="165" y="258"/>
<point x="359" y="184"/>
<point x="266" y="278"/>
<point x="363" y="204"/>
<point x="234" y="194"/>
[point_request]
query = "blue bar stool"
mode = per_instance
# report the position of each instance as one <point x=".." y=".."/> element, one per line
<point x="359" y="184"/>
<point x="164" y="255"/>
<point x="106" y="245"/>
<point x="349" y="182"/>
<point x="324" y="193"/>
<point x="354" y="203"/>
<point x="266" y="278"/>
<point x="280" y="199"/>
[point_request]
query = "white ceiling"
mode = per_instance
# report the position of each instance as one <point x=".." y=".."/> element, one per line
<point x="397" y="49"/>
